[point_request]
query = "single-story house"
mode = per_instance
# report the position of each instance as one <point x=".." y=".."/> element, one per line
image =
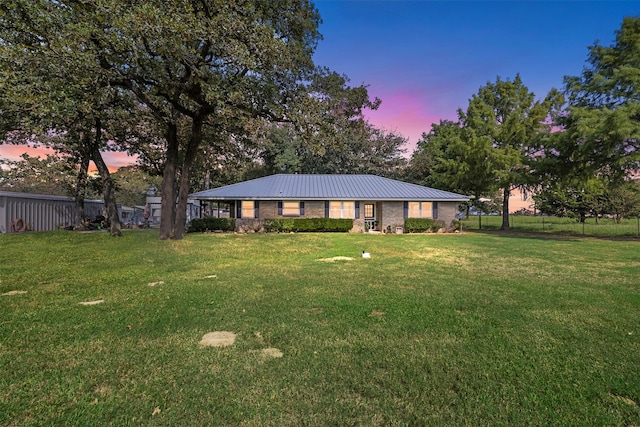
<point x="373" y="202"/>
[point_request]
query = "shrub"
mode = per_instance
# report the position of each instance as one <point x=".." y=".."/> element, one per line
<point x="278" y="225"/>
<point x="307" y="224"/>
<point x="422" y="225"/>
<point x="249" y="225"/>
<point x="338" y="225"/>
<point x="211" y="224"/>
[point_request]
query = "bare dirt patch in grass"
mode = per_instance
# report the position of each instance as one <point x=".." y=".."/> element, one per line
<point x="377" y="313"/>
<point x="156" y="283"/>
<point x="335" y="259"/>
<point x="14" y="293"/>
<point x="624" y="399"/>
<point x="102" y="389"/>
<point x="272" y="353"/>
<point x="100" y="301"/>
<point x="218" y="339"/>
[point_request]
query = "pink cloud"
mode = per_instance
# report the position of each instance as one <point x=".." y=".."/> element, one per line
<point x="405" y="113"/>
<point x="114" y="160"/>
<point x="13" y="152"/>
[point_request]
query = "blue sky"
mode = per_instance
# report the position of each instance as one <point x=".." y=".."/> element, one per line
<point x="425" y="59"/>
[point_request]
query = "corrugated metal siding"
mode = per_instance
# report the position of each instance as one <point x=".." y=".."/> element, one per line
<point x="324" y="187"/>
<point x="39" y="214"/>
<point x="42" y="212"/>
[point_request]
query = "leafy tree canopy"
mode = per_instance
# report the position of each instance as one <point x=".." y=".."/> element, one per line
<point x="54" y="175"/>
<point x="604" y="106"/>
<point x="455" y="158"/>
<point x="490" y="147"/>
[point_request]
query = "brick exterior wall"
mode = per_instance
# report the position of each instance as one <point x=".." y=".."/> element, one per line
<point x="447" y="212"/>
<point x="268" y="209"/>
<point x="314" y="209"/>
<point x="393" y="214"/>
<point x="389" y="215"/>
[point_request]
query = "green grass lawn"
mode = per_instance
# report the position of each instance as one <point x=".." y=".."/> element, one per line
<point x="629" y="227"/>
<point x="468" y="329"/>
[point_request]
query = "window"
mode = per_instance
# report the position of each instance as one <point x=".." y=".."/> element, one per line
<point x="248" y="209"/>
<point x="369" y="210"/>
<point x="342" y="209"/>
<point x="420" y="210"/>
<point x="290" y="208"/>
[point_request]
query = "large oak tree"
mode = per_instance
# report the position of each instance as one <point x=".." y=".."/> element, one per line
<point x="211" y="63"/>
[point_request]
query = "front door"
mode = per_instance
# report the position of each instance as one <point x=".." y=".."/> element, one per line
<point x="370" y="216"/>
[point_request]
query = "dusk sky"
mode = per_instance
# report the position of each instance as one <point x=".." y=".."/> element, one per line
<point x="425" y="59"/>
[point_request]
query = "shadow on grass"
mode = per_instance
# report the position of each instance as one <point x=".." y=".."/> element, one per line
<point x="564" y="236"/>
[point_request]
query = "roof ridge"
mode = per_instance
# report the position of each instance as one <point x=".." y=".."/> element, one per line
<point x="327" y="186"/>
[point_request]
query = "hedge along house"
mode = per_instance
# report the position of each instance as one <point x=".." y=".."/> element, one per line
<point x="373" y="202"/>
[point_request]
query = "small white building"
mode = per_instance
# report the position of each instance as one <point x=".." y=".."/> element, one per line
<point x="154" y="207"/>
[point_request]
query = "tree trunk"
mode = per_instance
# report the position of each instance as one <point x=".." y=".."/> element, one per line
<point x="185" y="176"/>
<point x="107" y="184"/>
<point x="505" y="208"/>
<point x="81" y="187"/>
<point x="168" y="193"/>
<point x="207" y="180"/>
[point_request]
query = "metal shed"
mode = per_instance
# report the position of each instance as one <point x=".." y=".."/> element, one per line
<point x="41" y="212"/>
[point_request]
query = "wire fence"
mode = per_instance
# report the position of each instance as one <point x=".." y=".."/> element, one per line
<point x="555" y="225"/>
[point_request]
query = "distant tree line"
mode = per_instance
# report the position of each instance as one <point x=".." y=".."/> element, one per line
<point x="206" y="93"/>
